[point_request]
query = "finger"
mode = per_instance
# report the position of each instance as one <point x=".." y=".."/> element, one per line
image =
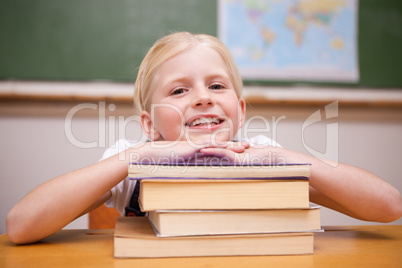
<point x="238" y="147"/>
<point x="235" y="146"/>
<point x="220" y="152"/>
<point x="246" y="144"/>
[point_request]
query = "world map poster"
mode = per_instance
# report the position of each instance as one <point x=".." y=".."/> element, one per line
<point x="313" y="40"/>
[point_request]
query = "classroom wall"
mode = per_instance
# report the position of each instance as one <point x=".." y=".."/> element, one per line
<point x="35" y="146"/>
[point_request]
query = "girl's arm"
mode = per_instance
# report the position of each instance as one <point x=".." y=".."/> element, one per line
<point x="347" y="189"/>
<point x="55" y="203"/>
<point x="354" y="192"/>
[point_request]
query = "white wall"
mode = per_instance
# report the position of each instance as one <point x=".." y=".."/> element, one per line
<point x="34" y="147"/>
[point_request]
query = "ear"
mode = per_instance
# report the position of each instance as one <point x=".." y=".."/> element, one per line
<point x="242" y="112"/>
<point x="148" y="126"/>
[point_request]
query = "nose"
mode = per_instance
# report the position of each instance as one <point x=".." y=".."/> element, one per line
<point x="202" y="97"/>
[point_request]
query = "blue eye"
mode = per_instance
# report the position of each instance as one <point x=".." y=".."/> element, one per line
<point x="178" y="91"/>
<point x="216" y="86"/>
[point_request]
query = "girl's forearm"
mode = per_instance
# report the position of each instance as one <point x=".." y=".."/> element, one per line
<point x="57" y="202"/>
<point x="350" y="190"/>
<point x="360" y="193"/>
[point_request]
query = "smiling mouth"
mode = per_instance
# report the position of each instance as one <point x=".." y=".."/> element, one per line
<point x="204" y="121"/>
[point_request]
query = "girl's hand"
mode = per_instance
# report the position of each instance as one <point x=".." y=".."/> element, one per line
<point x="237" y="147"/>
<point x="182" y="151"/>
<point x="246" y="154"/>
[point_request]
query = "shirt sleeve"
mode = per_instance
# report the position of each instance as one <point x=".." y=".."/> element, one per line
<point x="263" y="140"/>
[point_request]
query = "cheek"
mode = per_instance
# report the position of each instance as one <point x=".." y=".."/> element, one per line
<point x="234" y="112"/>
<point x="167" y="119"/>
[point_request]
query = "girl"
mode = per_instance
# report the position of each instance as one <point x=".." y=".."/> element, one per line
<point x="188" y="95"/>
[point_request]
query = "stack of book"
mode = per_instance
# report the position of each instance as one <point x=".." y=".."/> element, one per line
<point x="220" y="210"/>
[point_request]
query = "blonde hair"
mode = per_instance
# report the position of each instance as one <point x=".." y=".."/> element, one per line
<point x="169" y="46"/>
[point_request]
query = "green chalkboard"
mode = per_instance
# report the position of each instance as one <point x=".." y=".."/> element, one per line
<point x="107" y="39"/>
<point x="380" y="43"/>
<point x="91" y="39"/>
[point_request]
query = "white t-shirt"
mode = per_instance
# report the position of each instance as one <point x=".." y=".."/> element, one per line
<point x="122" y="192"/>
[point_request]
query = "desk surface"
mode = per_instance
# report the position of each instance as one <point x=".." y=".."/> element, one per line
<point x="347" y="246"/>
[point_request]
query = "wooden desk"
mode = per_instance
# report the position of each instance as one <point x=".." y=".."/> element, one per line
<point x="353" y="246"/>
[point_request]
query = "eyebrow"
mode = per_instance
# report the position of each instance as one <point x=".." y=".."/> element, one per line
<point x="181" y="79"/>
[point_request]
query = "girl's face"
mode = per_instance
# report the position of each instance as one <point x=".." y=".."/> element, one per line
<point x="193" y="99"/>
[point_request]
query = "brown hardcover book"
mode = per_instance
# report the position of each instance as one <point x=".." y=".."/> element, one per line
<point x="174" y="194"/>
<point x="134" y="238"/>
<point x="168" y="223"/>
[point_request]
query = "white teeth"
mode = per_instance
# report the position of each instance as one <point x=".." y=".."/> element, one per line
<point x="204" y="121"/>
